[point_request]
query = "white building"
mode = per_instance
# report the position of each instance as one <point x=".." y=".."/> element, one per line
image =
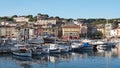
<point x="21" y="19"/>
<point x="7" y="28"/>
<point x="108" y="28"/>
<point x="113" y="32"/>
<point x="27" y="32"/>
<point x="46" y="22"/>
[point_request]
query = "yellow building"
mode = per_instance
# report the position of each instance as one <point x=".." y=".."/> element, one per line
<point x="50" y="30"/>
<point x="71" y="31"/>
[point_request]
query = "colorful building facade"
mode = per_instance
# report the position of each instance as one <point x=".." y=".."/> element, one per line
<point x="71" y="32"/>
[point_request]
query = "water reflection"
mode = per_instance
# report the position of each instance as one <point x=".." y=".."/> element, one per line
<point x="84" y="59"/>
<point x="24" y="62"/>
<point x="118" y="51"/>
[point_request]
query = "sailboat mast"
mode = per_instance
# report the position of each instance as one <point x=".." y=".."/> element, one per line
<point x="18" y="36"/>
<point x="55" y="35"/>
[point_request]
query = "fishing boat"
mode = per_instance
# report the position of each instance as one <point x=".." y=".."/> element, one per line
<point x="20" y="49"/>
<point x="38" y="47"/>
<point x="12" y="41"/>
<point x="54" y="48"/>
<point x="36" y="51"/>
<point x="49" y="40"/>
<point x="17" y="47"/>
<point x="23" y="52"/>
<point x="87" y="46"/>
<point x="36" y="40"/>
<point x="45" y="50"/>
<point x="76" y="45"/>
<point x="40" y="50"/>
<point x="104" y="47"/>
<point x="64" y="47"/>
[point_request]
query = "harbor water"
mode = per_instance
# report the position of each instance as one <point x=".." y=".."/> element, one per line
<point x="84" y="59"/>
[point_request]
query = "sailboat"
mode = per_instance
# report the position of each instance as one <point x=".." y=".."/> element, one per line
<point x="53" y="47"/>
<point x="38" y="46"/>
<point x="21" y="49"/>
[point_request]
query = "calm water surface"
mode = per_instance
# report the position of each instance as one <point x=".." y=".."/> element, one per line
<point x="84" y="59"/>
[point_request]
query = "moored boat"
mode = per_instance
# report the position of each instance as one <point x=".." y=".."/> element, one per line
<point x="54" y="49"/>
<point x="23" y="52"/>
<point x="76" y="45"/>
<point x="87" y="46"/>
<point x="40" y="50"/>
<point x="64" y="47"/>
<point x="17" y="47"/>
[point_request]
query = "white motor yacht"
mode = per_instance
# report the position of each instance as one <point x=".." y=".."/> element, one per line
<point x="54" y="48"/>
<point x="76" y="45"/>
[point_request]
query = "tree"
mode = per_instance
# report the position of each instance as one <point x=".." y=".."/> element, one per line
<point x="10" y="19"/>
<point x="45" y="15"/>
<point x="35" y="18"/>
<point x="39" y="14"/>
<point x="31" y="19"/>
<point x="14" y="16"/>
<point x="57" y="17"/>
<point x="5" y="18"/>
<point x="99" y="21"/>
<point x="114" y="24"/>
<point x="52" y="17"/>
<point x="29" y="16"/>
<point x="98" y="34"/>
<point x="70" y="20"/>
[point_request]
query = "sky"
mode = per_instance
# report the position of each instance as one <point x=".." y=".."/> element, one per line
<point x="62" y="8"/>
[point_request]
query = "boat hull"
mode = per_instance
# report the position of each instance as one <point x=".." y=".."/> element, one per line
<point x="55" y="51"/>
<point x="22" y="54"/>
